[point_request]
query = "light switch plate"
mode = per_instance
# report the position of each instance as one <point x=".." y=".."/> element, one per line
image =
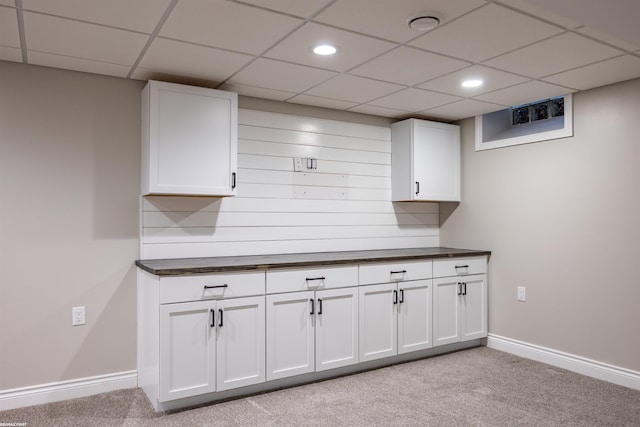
<point x="297" y="164"/>
<point x="522" y="293"/>
<point x="77" y="316"/>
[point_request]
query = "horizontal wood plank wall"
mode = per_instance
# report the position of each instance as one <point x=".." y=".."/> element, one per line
<point x="344" y="204"/>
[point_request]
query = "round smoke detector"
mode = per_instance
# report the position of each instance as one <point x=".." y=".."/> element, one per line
<point x="424" y="23"/>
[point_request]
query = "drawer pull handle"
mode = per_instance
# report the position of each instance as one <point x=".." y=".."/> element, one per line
<point x="217" y="286"/>
<point x="213" y="318"/>
<point x="398" y="271"/>
<point x="315" y="278"/>
<point x="462" y="266"/>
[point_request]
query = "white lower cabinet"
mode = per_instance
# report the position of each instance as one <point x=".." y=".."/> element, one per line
<point x="218" y="332"/>
<point x="395" y="318"/>
<point x="311" y="331"/>
<point x="460" y="308"/>
<point x="208" y="346"/>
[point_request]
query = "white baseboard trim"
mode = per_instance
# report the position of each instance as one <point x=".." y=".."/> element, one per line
<point x="592" y="368"/>
<point x="63" y="390"/>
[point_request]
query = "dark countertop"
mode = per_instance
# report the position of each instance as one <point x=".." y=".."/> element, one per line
<point x="186" y="266"/>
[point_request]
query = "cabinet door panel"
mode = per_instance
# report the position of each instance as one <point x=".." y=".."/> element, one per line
<point x="414" y="316"/>
<point x="290" y="335"/>
<point x="200" y="124"/>
<point x="437" y="161"/>
<point x="446" y="317"/>
<point x="336" y="328"/>
<point x="240" y="341"/>
<point x="474" y="308"/>
<point x="378" y="321"/>
<point x="187" y="350"/>
<point x="189" y="140"/>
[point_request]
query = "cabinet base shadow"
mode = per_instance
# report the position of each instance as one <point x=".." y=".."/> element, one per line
<point x="201" y="400"/>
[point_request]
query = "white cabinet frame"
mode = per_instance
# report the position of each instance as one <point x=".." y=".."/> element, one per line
<point x="311" y="331"/>
<point x="189" y="140"/>
<point x="208" y="346"/>
<point x="459" y="308"/>
<point x="395" y="318"/>
<point x="425" y="161"/>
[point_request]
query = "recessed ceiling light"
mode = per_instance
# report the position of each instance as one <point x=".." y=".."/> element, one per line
<point x="325" y="49"/>
<point x="424" y="23"/>
<point x="472" y="83"/>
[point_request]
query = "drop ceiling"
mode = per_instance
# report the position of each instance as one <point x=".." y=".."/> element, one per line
<point x="524" y="50"/>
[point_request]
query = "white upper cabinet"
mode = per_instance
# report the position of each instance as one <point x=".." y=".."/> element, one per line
<point x="189" y="140"/>
<point x="425" y="161"/>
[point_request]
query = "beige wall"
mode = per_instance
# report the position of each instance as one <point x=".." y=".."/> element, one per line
<point x="69" y="186"/>
<point x="561" y="218"/>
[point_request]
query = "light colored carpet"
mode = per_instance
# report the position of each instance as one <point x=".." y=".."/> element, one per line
<point x="477" y="387"/>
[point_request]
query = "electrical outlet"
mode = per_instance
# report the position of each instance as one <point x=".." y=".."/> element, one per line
<point x="522" y="293"/>
<point x="297" y="164"/>
<point x="77" y="316"/>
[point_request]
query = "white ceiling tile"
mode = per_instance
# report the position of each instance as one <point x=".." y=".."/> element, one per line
<point x="603" y="73"/>
<point x="303" y="9"/>
<point x="554" y="55"/>
<point x="413" y="100"/>
<point x="354" y="49"/>
<point x="406" y="65"/>
<point x="378" y="111"/>
<point x="317" y="101"/>
<point x="462" y="109"/>
<point x="277" y="75"/>
<point x="227" y="25"/>
<point x="352" y="88"/>
<point x="493" y="80"/>
<point x="484" y="33"/>
<point x="173" y="57"/>
<point x="205" y="42"/>
<point x="598" y="35"/>
<point x="527" y="7"/>
<point x="524" y="93"/>
<point x="389" y="19"/>
<point x="77" y="39"/>
<point x="257" y="92"/>
<point x="10" y="54"/>
<point x="77" y="64"/>
<point x="138" y="15"/>
<point x="618" y="18"/>
<point x="9" y="36"/>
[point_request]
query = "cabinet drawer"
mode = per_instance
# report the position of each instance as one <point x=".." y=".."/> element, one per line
<point x="395" y="272"/>
<point x="291" y="280"/>
<point x="459" y="266"/>
<point x="192" y="288"/>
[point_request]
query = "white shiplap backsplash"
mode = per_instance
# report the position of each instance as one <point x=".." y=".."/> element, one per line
<point x="344" y="204"/>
